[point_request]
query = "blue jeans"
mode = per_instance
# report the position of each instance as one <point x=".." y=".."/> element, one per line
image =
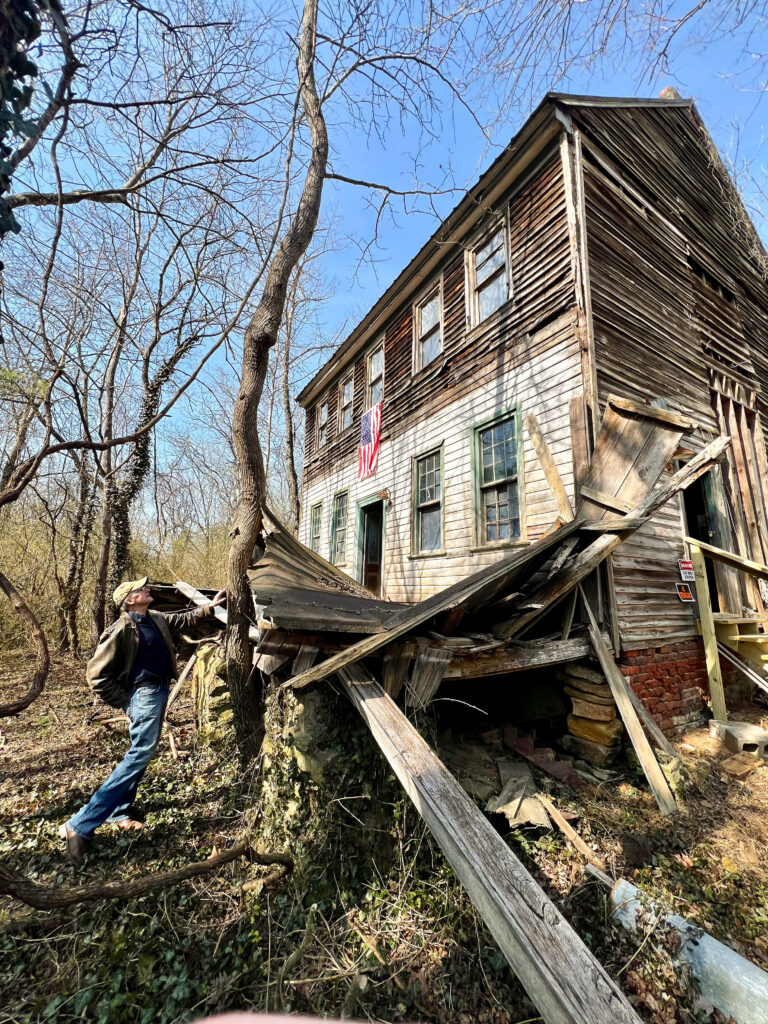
<point x="112" y="801"/>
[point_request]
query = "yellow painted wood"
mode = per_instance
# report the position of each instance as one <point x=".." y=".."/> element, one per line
<point x="708" y="632"/>
<point x="746" y="565"/>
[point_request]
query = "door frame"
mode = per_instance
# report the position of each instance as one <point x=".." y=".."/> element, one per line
<point x="360" y="507"/>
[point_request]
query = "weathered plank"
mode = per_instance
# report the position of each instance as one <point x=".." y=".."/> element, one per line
<point x="535" y="654"/>
<point x="708" y="634"/>
<point x="426" y="675"/>
<point x="561" y="976"/>
<point x="548" y="466"/>
<point x="656" y="778"/>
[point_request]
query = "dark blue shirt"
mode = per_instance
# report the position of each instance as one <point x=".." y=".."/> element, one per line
<point x="153" y="659"/>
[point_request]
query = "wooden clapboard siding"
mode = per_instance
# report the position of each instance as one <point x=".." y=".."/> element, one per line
<point x="668" y="303"/>
<point x="542" y="291"/>
<point x="544" y="384"/>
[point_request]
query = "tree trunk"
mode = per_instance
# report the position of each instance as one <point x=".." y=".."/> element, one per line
<point x="100" y="597"/>
<point x="43" y="658"/>
<point x="290" y="454"/>
<point x="260" y="336"/>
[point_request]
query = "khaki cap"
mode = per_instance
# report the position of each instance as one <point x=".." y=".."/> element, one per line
<point x="128" y="588"/>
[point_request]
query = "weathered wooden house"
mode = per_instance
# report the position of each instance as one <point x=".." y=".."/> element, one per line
<point x="606" y="252"/>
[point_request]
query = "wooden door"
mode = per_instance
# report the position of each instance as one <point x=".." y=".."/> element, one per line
<point x="373" y="544"/>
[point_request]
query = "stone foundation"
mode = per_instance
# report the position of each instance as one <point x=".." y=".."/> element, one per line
<point x="671" y="681"/>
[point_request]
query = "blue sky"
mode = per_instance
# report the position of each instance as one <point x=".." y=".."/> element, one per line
<point x="719" y="75"/>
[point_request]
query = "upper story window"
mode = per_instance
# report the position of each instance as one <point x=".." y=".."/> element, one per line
<point x="339" y="528"/>
<point x="315" y="526"/>
<point x="346" y="401"/>
<point x="322" y="424"/>
<point x="374" y="391"/>
<point x="428" y="503"/>
<point x="497" y="488"/>
<point x="427" y="320"/>
<point x="488" y="274"/>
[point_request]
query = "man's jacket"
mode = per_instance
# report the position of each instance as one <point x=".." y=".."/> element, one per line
<point x="109" y="670"/>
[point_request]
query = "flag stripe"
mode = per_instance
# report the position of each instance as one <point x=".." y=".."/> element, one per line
<point x="370" y="433"/>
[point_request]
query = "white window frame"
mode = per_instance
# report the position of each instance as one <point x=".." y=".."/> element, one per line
<point x="349" y="379"/>
<point x="480" y="239"/>
<point x="322" y="423"/>
<point x="336" y="532"/>
<point x="418" y="508"/>
<point x="435" y="290"/>
<point x="368" y="383"/>
<point x="317" y="507"/>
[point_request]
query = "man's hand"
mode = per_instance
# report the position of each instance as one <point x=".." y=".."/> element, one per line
<point x="219" y="599"/>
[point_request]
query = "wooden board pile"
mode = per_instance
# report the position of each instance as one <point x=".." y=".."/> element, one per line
<point x="594" y="729"/>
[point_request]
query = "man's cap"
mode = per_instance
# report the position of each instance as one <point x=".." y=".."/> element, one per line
<point x="128" y="588"/>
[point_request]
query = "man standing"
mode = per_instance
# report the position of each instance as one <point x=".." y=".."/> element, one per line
<point x="132" y="668"/>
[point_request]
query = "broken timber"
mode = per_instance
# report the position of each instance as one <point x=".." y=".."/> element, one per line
<point x="560" y="975"/>
<point x="656" y="778"/>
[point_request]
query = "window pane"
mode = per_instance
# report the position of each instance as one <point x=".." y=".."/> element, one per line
<point x="347" y="392"/>
<point x="346" y="417"/>
<point x="490" y="257"/>
<point x="339" y="527"/>
<point x="428" y="470"/>
<point x="491" y="295"/>
<point x="501" y="513"/>
<point x="376" y="392"/>
<point x="429" y="539"/>
<point x="376" y="364"/>
<point x="498" y="446"/>
<point x="314" y="528"/>
<point x="430" y="315"/>
<point x="324" y="413"/>
<point x="431" y="347"/>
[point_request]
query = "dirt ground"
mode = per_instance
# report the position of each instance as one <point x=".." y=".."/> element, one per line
<point x="219" y="943"/>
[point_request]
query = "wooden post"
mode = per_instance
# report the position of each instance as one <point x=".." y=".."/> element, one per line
<point x="708" y="634"/>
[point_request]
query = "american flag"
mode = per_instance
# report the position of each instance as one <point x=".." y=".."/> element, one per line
<point x="370" y="432"/>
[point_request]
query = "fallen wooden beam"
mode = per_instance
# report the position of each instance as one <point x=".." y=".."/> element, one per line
<point x="561" y="976"/>
<point x="535" y="654"/>
<point x="656" y="778"/>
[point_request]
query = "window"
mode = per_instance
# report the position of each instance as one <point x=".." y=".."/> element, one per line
<point x="315" y="526"/>
<point x="498" y="505"/>
<point x="428" y="503"/>
<point x="375" y="377"/>
<point x="489" y="279"/>
<point x="346" y="396"/>
<point x="322" y="425"/>
<point x="339" y="528"/>
<point x="429" y="334"/>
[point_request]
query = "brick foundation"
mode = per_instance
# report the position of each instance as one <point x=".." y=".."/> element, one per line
<point x="672" y="683"/>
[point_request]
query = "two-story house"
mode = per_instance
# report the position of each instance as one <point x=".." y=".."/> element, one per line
<point x="605" y="252"/>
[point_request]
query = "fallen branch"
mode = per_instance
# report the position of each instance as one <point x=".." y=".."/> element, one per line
<point x="43" y="658"/>
<point x="47" y="897"/>
<point x="182" y="679"/>
<point x="570" y="833"/>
